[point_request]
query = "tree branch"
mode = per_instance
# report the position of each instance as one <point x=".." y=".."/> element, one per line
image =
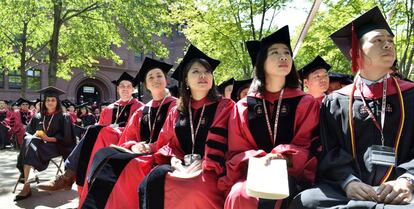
<point x="67" y="16"/>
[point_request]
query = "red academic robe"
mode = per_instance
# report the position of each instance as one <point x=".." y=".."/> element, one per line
<point x="23" y="118"/>
<point x="127" y="184"/>
<point x="108" y="135"/>
<point x="73" y="117"/>
<point x="249" y="137"/>
<point x="211" y="143"/>
<point x="7" y="123"/>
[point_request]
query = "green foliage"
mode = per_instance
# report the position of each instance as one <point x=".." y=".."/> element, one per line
<point x="337" y="15"/>
<point x="220" y="29"/>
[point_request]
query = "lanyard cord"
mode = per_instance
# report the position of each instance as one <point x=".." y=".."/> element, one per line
<point x="152" y="126"/>
<point x="193" y="135"/>
<point x="274" y="133"/>
<point x="120" y="113"/>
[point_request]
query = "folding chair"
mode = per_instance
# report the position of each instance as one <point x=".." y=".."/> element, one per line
<point x="33" y="174"/>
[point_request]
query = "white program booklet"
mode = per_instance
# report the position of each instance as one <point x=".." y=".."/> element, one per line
<point x="267" y="181"/>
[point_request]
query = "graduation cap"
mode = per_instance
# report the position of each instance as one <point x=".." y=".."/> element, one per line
<point x="66" y="103"/>
<point x="342" y="78"/>
<point x="85" y="104"/>
<point x="51" y="91"/>
<point x="150" y="64"/>
<point x="223" y="85"/>
<point x="125" y="77"/>
<point x="193" y="53"/>
<point x="347" y="37"/>
<point x="280" y="36"/>
<point x="20" y="101"/>
<point x="238" y="86"/>
<point x="35" y="101"/>
<point x="253" y="48"/>
<point x="316" y="64"/>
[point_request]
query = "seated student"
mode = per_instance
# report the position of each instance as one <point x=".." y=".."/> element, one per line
<point x="366" y="127"/>
<point x="123" y="172"/>
<point x="240" y="89"/>
<point x="6" y="116"/>
<point x="70" y="107"/>
<point x="48" y="135"/>
<point x="275" y="120"/>
<point x="338" y="80"/>
<point x="110" y="125"/>
<point x="315" y="78"/>
<point x="85" y="118"/>
<point x="23" y="117"/>
<point x="194" y="134"/>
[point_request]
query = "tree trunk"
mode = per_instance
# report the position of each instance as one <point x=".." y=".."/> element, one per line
<point x="54" y="42"/>
<point x="22" y="67"/>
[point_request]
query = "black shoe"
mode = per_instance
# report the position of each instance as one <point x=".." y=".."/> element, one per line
<point x="20" y="197"/>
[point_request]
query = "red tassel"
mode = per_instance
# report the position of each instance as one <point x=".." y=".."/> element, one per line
<point x="355" y="51"/>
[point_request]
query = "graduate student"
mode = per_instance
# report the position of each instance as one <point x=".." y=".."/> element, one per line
<point x="6" y="116"/>
<point x="366" y="127"/>
<point x="110" y="126"/>
<point x="84" y="117"/>
<point x="124" y="171"/>
<point x="315" y="78"/>
<point x="23" y="117"/>
<point x="48" y="135"/>
<point x="275" y="120"/>
<point x="195" y="140"/>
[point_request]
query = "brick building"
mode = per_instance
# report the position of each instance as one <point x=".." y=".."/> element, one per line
<point x="80" y="87"/>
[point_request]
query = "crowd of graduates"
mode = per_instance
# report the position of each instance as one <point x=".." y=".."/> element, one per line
<point x="347" y="142"/>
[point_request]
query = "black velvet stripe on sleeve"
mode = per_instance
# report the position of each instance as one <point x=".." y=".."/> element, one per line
<point x="217" y="158"/>
<point x="217" y="145"/>
<point x="219" y="131"/>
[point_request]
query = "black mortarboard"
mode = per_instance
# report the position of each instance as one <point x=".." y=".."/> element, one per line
<point x="238" y="86"/>
<point x="35" y="101"/>
<point x="150" y="64"/>
<point x="85" y="104"/>
<point x="21" y="101"/>
<point x="280" y="36"/>
<point x="341" y="78"/>
<point x="253" y="48"/>
<point x="51" y="91"/>
<point x="193" y="53"/>
<point x="125" y="77"/>
<point x="223" y="85"/>
<point x="316" y="64"/>
<point x="371" y="20"/>
<point x="67" y="103"/>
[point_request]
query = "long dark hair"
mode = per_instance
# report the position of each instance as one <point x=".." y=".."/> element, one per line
<point x="259" y="82"/>
<point x="185" y="94"/>
<point x="43" y="109"/>
<point x="79" y="112"/>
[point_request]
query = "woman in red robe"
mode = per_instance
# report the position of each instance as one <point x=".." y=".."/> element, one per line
<point x="140" y="136"/>
<point x="275" y="120"/>
<point x="195" y="134"/>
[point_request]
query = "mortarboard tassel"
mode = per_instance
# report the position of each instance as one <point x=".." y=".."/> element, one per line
<point x="355" y="50"/>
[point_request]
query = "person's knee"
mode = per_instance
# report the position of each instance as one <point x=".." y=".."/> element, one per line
<point x="305" y="199"/>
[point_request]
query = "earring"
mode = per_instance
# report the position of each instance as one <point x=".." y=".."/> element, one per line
<point x="187" y="87"/>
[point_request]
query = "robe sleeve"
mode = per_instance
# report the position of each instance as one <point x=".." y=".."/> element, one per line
<point x="32" y="126"/>
<point x="105" y="118"/>
<point x="336" y="164"/>
<point x="65" y="135"/>
<point x="217" y="139"/>
<point x="131" y="134"/>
